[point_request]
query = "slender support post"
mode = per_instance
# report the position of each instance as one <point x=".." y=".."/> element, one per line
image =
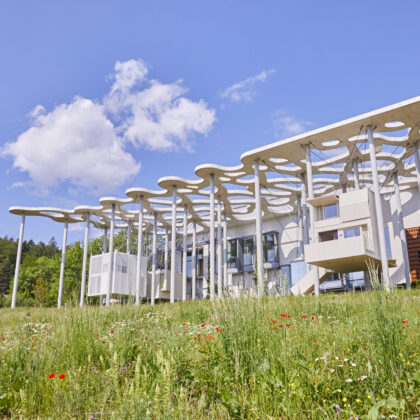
<point x="63" y="262"/>
<point x="304" y="211"/>
<point x="18" y="257"/>
<point x="173" y="246"/>
<point x="84" y="265"/>
<point x="300" y="227"/>
<point x="104" y="242"/>
<point x="154" y="260"/>
<point x="139" y="251"/>
<point x="258" y="230"/>
<point x="219" y="249"/>
<point x="111" y="256"/>
<point x="194" y="261"/>
<point x="211" y="251"/>
<point x="225" y="281"/>
<point x="128" y="247"/>
<point x="166" y="259"/>
<point x="184" y="256"/>
<point x="401" y="232"/>
<point x="311" y="211"/>
<point x="378" y="205"/>
<point x="356" y="174"/>
<point x="417" y="162"/>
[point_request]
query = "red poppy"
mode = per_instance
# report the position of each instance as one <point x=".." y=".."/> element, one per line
<point x="203" y="325"/>
<point x="274" y="321"/>
<point x="112" y="331"/>
<point x="313" y="318"/>
<point x="198" y="335"/>
<point x="103" y="341"/>
<point x="405" y="321"/>
<point x="303" y="316"/>
<point x="184" y="324"/>
<point x="314" y="341"/>
<point x="131" y="331"/>
<point x="287" y="325"/>
<point x="217" y="329"/>
<point x="4" y="338"/>
<point x="62" y="376"/>
<point x="280" y="325"/>
<point x="52" y="375"/>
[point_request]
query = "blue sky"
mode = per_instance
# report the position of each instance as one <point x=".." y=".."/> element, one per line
<point x="168" y="85"/>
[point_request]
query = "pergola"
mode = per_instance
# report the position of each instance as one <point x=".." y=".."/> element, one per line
<point x="378" y="149"/>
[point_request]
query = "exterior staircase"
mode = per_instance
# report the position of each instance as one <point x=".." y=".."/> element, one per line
<point x="305" y="286"/>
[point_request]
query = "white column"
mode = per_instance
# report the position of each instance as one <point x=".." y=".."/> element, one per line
<point x="378" y="205"/>
<point x="417" y="161"/>
<point x="139" y="252"/>
<point x="311" y="212"/>
<point x="258" y="230"/>
<point x="84" y="265"/>
<point x="104" y="242"/>
<point x="225" y="281"/>
<point x="194" y="261"/>
<point x="154" y="260"/>
<point x="304" y="210"/>
<point x="300" y="226"/>
<point x="166" y="259"/>
<point x="184" y="256"/>
<point x="356" y="174"/>
<point x="173" y="246"/>
<point x="211" y="250"/>
<point x="111" y="257"/>
<point x="401" y="233"/>
<point x="63" y="262"/>
<point x="219" y="250"/>
<point x="18" y="257"/>
<point x="128" y="247"/>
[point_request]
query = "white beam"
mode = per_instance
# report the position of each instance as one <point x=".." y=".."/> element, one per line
<point x="219" y="249"/>
<point x="211" y="250"/>
<point x="184" y="256"/>
<point x="304" y="210"/>
<point x="258" y="230"/>
<point x="401" y="232"/>
<point x="111" y="256"/>
<point x="166" y="258"/>
<point x="173" y="246"/>
<point x="18" y="258"/>
<point x="139" y="251"/>
<point x="62" y="265"/>
<point x="378" y="205"/>
<point x="84" y="265"/>
<point x="154" y="260"/>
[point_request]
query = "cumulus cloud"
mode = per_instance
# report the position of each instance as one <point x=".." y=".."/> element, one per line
<point x="244" y="91"/>
<point x="84" y="142"/>
<point x="288" y="126"/>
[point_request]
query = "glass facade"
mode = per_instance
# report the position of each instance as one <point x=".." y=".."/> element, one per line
<point x="270" y="247"/>
<point x="248" y="251"/>
<point x="233" y="254"/>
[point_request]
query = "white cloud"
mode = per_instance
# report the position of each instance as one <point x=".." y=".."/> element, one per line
<point x="288" y="126"/>
<point x="84" y="142"/>
<point x="245" y="90"/>
<point x="75" y="143"/>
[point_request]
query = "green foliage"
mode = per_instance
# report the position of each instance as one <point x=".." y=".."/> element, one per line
<point x="335" y="356"/>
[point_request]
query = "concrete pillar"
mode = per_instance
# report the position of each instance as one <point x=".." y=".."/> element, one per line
<point x="194" y="261"/>
<point x="184" y="255"/>
<point x="104" y="242"/>
<point x="140" y="252"/>
<point x="166" y="259"/>
<point x="18" y="257"/>
<point x="154" y="260"/>
<point x="356" y="174"/>
<point x="311" y="211"/>
<point x="258" y="230"/>
<point x="128" y="247"/>
<point x="84" y="265"/>
<point x="300" y="227"/>
<point x="225" y="276"/>
<point x="63" y="262"/>
<point x="401" y="232"/>
<point x="111" y="256"/>
<point x="173" y="246"/>
<point x="378" y="205"/>
<point x="305" y="218"/>
<point x="417" y="162"/>
<point x="219" y="250"/>
<point x="211" y="250"/>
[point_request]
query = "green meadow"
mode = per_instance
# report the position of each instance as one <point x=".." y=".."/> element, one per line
<point x="336" y="356"/>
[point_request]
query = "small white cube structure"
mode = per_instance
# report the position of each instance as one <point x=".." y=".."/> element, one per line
<point x="124" y="276"/>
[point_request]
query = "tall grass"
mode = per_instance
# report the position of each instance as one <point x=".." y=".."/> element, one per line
<point x="336" y="356"/>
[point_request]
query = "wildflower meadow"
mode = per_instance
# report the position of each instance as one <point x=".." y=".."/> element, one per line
<point x="348" y="356"/>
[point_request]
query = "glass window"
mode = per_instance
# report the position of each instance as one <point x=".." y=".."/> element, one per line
<point x="298" y="270"/>
<point x="351" y="232"/>
<point x="330" y="211"/>
<point x="330" y="235"/>
<point x="285" y="279"/>
<point x="270" y="247"/>
<point x="232" y="253"/>
<point x="248" y="251"/>
<point x="387" y="242"/>
<point x="200" y="261"/>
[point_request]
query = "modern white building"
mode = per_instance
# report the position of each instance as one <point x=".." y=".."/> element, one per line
<point x="326" y="204"/>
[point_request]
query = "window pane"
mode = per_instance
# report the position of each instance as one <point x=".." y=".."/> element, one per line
<point x="248" y="251"/>
<point x="270" y="247"/>
<point x="331" y="235"/>
<point x="232" y="253"/>
<point x="330" y="211"/>
<point x="351" y="232"/>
